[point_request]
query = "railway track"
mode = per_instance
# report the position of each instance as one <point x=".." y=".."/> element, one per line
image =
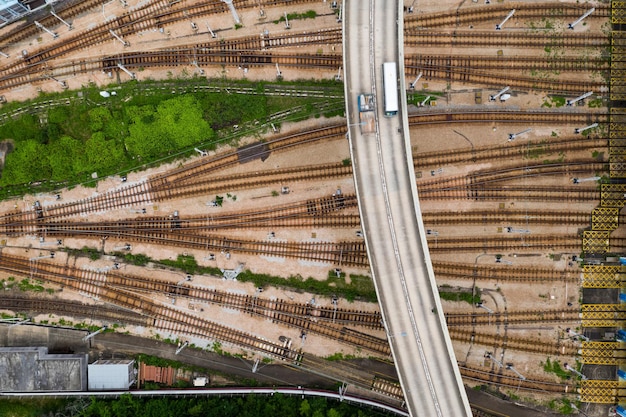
<point x="562" y="145"/>
<point x="514" y="172"/>
<point x="474" y="115"/>
<point x="123" y="290"/>
<point x="32" y="305"/>
<point x="511" y="273"/>
<point x="508" y="318"/>
<point x="163" y="317"/>
<point x="192" y="179"/>
<point x="512" y="381"/>
<point x="520" y="344"/>
<point x="496" y="12"/>
<point x="517" y="193"/>
<point x="488" y="39"/>
<point x="509" y="242"/>
<point x="496" y="78"/>
<point x="507" y="217"/>
<point x="424" y="63"/>
<point x="315" y="216"/>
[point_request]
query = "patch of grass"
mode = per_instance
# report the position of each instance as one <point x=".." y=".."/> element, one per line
<point x="339" y="357"/>
<point x="92" y="253"/>
<point x="310" y="14"/>
<point x="554" y="367"/>
<point x="31" y="407"/>
<point x="465" y="296"/>
<point x="25" y="285"/>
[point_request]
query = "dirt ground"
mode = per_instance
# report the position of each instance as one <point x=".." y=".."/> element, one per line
<point x="496" y="295"/>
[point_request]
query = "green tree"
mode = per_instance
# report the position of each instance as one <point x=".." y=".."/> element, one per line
<point x="102" y="154"/>
<point x="305" y="408"/>
<point x="28" y="162"/>
<point x="66" y="158"/>
<point x="99" y="117"/>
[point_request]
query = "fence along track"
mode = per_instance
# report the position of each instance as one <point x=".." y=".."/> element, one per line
<point x="509" y="318"/>
<point x="497" y="273"/>
<point x="495" y="13"/>
<point x="522" y="344"/>
<point x="163" y="316"/>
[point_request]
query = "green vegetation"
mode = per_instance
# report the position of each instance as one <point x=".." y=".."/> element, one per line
<point x="556" y="101"/>
<point x="554" y="367"/>
<point x="26" y="285"/>
<point x="225" y="406"/>
<point x="144" y="123"/>
<point x="339" y="357"/>
<point x="92" y="253"/>
<point x="311" y="14"/>
<point x="359" y="286"/>
<point x="535" y="150"/>
<point x="31" y="407"/>
<point x="459" y="295"/>
<point x="563" y="406"/>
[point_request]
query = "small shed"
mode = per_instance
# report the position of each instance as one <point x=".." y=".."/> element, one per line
<point x="113" y="374"/>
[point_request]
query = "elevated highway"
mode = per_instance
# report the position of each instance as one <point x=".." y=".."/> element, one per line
<point x="391" y="217"/>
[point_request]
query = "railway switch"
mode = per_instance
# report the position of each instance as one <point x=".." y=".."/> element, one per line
<point x="194" y="27"/>
<point x="4" y="55"/>
<point x="287" y="25"/>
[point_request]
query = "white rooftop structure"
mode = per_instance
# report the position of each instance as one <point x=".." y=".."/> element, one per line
<point x="115" y="374"/>
<point x="11" y="10"/>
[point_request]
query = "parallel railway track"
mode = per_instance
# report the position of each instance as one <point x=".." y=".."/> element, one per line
<point x="487" y="39"/>
<point x="495" y="13"/>
<point x="507" y="318"/>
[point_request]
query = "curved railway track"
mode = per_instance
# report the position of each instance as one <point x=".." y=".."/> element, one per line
<point x="507" y="318"/>
<point x="60" y="307"/>
<point x="122" y="291"/>
<point x="182" y="182"/>
<point x="162" y="317"/>
<point x="565" y="145"/>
